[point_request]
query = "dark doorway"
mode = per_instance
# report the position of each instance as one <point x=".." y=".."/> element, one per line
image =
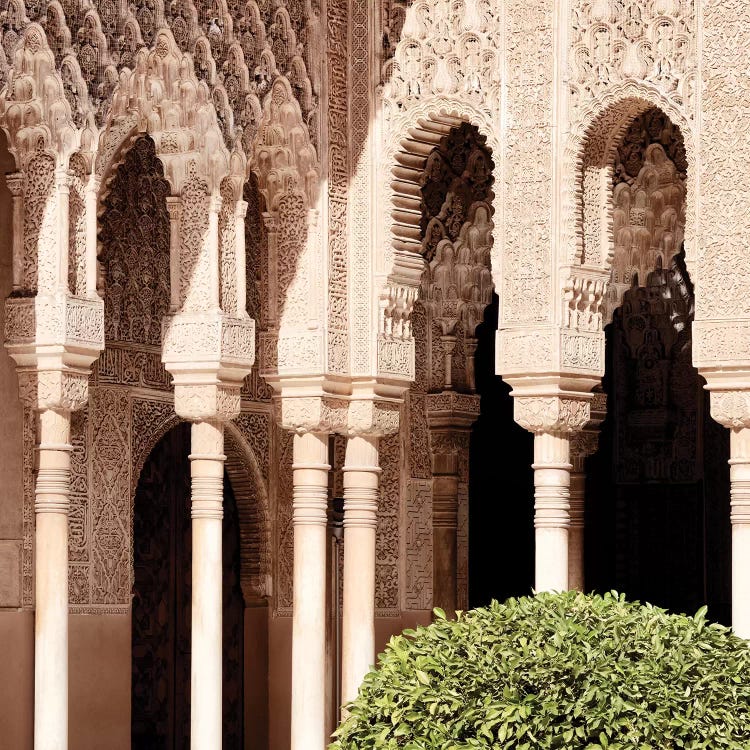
<point x="501" y="485"/>
<point x="657" y="495"/>
<point x="160" y="701"/>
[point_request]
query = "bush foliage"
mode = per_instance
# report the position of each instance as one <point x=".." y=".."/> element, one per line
<point x="557" y="671"/>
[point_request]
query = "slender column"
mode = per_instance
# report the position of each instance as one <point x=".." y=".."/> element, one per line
<point x="361" y="481"/>
<point x="15" y="182"/>
<point x="239" y="216"/>
<point x="582" y="445"/>
<point x="174" y="208"/>
<point x="207" y="473"/>
<point x="51" y="581"/>
<point x="552" y="509"/>
<point x="576" y="533"/>
<point x="273" y="276"/>
<point x="92" y="197"/>
<point x="444" y="531"/>
<point x="740" y="516"/>
<point x="63" y="226"/>
<point x="213" y="250"/>
<point x="310" y="503"/>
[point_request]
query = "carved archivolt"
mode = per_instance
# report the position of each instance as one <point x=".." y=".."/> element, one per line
<point x="163" y="97"/>
<point x="444" y="73"/>
<point x="626" y="58"/>
<point x="237" y="48"/>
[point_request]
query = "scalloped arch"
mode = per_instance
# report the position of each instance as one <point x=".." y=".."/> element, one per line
<point x="591" y="149"/>
<point x="184" y="127"/>
<point x="34" y="111"/>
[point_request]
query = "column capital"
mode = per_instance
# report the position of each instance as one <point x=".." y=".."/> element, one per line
<point x="311" y="413"/>
<point x="562" y="414"/>
<point x="174" y="207"/>
<point x="208" y="354"/>
<point x="240" y="209"/>
<point x="731" y="408"/>
<point x="15" y="182"/>
<point x="54" y="339"/>
<point x="373" y="417"/>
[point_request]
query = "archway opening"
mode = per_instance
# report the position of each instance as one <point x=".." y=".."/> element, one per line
<point x="160" y="691"/>
<point x="657" y="494"/>
<point x="460" y="412"/>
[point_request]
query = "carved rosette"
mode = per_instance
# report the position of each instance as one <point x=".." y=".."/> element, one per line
<point x="552" y="414"/>
<point x="208" y="355"/>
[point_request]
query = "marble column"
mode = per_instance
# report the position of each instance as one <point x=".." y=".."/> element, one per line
<point x="444" y="531"/>
<point x="583" y="445"/>
<point x="552" y="419"/>
<point x="207" y="496"/>
<point x="739" y="472"/>
<point x="551" y="510"/>
<point x="310" y="504"/>
<point x="51" y="581"/>
<point x="361" y="482"/>
<point x="731" y="408"/>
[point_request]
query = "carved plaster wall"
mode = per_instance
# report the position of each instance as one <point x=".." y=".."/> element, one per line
<point x="625" y="59"/>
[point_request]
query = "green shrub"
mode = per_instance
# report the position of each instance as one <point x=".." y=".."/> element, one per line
<point x="556" y="671"/>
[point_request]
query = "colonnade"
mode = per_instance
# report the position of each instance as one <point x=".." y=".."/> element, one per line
<point x="561" y="443"/>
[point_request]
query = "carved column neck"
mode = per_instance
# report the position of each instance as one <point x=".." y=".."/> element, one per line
<point x="554" y="415"/>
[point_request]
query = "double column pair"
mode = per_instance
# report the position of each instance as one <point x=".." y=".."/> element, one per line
<point x="310" y="519"/>
<point x="51" y="580"/>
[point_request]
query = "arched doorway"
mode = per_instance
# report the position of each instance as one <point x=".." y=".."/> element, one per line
<point x="657" y="496"/>
<point x="160" y="702"/>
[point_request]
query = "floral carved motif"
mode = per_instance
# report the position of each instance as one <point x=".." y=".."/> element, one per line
<point x="616" y="40"/>
<point x="134" y="241"/>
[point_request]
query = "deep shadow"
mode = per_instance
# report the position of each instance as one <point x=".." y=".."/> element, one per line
<point x="162" y="546"/>
<point x="657" y="492"/>
<point x="501" y="485"/>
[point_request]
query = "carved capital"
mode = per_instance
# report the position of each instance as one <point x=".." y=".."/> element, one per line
<point x="207" y="402"/>
<point x="453" y="410"/>
<point x="313" y="413"/>
<point x="53" y="389"/>
<point x="445" y="440"/>
<point x="552" y="414"/>
<point x="174" y="207"/>
<point x="15" y="182"/>
<point x="373" y="417"/>
<point x="731" y="408"/>
<point x="582" y="445"/>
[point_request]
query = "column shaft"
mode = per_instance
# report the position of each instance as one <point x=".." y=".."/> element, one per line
<point x="740" y="478"/>
<point x="310" y="504"/>
<point x="51" y="582"/>
<point x="361" y="481"/>
<point x="444" y="534"/>
<point x="576" y="532"/>
<point x="207" y="473"/>
<point x="552" y="510"/>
